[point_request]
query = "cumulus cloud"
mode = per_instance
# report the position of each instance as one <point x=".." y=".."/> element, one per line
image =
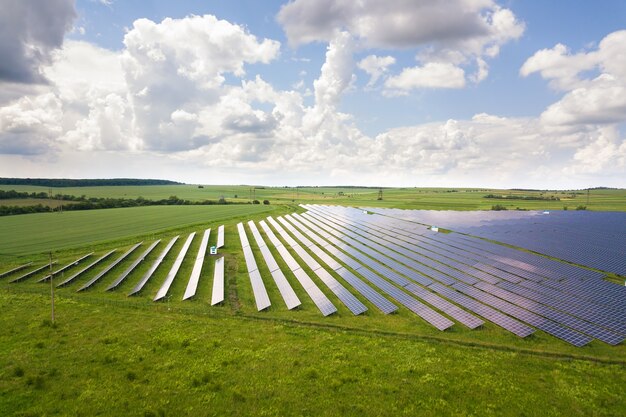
<point x="453" y="33"/>
<point x="31" y="31"/>
<point x="597" y="100"/>
<point x="431" y="75"/>
<point x="166" y="100"/>
<point x="30" y="126"/>
<point x="375" y="66"/>
<point x="399" y="23"/>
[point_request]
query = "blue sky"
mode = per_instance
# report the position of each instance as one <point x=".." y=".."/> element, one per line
<point x="318" y="92"/>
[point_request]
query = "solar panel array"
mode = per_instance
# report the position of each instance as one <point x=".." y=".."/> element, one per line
<point x="590" y="238"/>
<point x="388" y="260"/>
<point x="517" y="290"/>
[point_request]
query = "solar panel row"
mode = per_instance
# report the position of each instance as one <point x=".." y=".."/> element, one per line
<point x="258" y="288"/>
<point x="108" y="268"/>
<point x="85" y="269"/>
<point x="124" y="274"/>
<point x="361" y="287"/>
<point x="285" y="289"/>
<point x="322" y="302"/>
<point x="14" y="270"/>
<point x="169" y="279"/>
<point x="194" y="278"/>
<point x="65" y="268"/>
<point x="144" y="279"/>
<point x="217" y="294"/>
<point x="31" y="273"/>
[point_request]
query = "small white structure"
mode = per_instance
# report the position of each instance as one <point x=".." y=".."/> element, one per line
<point x="546" y="212"/>
<point x="213" y="250"/>
<point x="434" y="228"/>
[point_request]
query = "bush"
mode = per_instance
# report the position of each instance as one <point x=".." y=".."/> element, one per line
<point x="266" y="202"/>
<point x="498" y="207"/>
<point x="581" y="208"/>
<point x="256" y="202"/>
<point x="564" y="207"/>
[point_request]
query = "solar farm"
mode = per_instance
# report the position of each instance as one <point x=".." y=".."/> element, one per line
<point x="393" y="260"/>
<point x="533" y="283"/>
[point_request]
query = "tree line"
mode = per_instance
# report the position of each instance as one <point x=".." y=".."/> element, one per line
<point x="66" y="182"/>
<point x="92" y="203"/>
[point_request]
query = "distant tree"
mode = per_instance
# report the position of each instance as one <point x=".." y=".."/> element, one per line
<point x="564" y="207"/>
<point x="200" y="186"/>
<point x="235" y="196"/>
<point x="222" y="200"/>
<point x="498" y="207"/>
<point x="266" y="202"/>
<point x="581" y="208"/>
<point x="256" y="202"/>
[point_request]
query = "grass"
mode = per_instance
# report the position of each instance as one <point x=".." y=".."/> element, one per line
<point x="110" y="354"/>
<point x="414" y="198"/>
<point x="142" y="362"/>
<point x="35" y="233"/>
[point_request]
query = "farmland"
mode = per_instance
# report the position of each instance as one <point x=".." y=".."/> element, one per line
<point x="130" y="355"/>
<point x="409" y="198"/>
<point x="34" y="233"/>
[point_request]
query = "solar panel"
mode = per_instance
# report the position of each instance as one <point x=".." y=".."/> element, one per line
<point x="346" y="297"/>
<point x="31" y="273"/>
<point x="153" y="267"/>
<point x="288" y="294"/>
<point x="165" y="287"/>
<point x="542" y="323"/>
<point x="66" y="267"/>
<point x="17" y="268"/>
<point x="192" y="285"/>
<point x="130" y="269"/>
<point x="217" y="294"/>
<point x="220" y="236"/>
<point x="431" y="316"/>
<point x="322" y="302"/>
<point x="258" y="288"/>
<point x="108" y="268"/>
<point x="85" y="269"/>
<point x="447" y="307"/>
<point x="516" y="327"/>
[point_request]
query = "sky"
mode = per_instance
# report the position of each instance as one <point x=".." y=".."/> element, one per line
<point x="454" y="93"/>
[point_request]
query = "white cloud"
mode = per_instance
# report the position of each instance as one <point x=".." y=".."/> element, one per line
<point x="456" y="32"/>
<point x="598" y="100"/>
<point x="375" y="66"/>
<point x="336" y="74"/>
<point x="163" y="101"/>
<point x="430" y="75"/>
<point x="30" y="125"/>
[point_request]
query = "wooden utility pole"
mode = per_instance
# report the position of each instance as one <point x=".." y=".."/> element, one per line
<point x="51" y="287"/>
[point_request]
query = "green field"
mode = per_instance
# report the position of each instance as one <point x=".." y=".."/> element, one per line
<point x="110" y="354"/>
<point x="35" y="233"/>
<point x="413" y="198"/>
<point x="103" y="359"/>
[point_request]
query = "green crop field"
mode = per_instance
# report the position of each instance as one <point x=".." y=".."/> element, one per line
<point x="34" y="233"/>
<point x="410" y="198"/>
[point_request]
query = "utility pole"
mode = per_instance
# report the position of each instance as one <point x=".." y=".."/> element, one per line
<point x="51" y="288"/>
<point x="588" y="196"/>
<point x="380" y="194"/>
